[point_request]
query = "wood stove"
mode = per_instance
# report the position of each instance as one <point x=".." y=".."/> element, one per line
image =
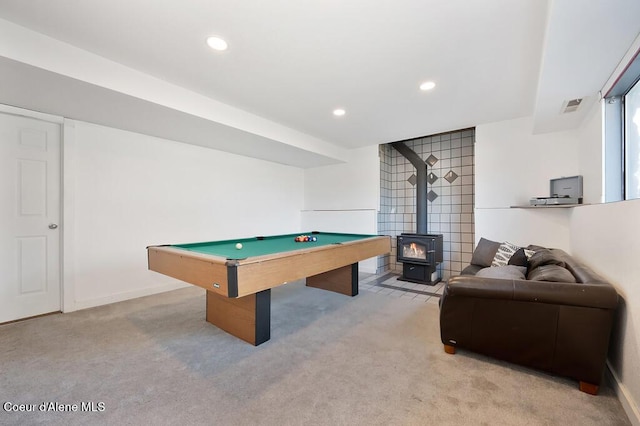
<point x="419" y="254"/>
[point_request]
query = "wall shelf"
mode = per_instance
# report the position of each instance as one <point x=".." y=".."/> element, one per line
<point x="552" y="206"/>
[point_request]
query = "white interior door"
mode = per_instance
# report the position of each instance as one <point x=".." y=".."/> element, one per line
<point x="29" y="217"/>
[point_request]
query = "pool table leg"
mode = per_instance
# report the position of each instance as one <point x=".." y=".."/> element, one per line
<point x="248" y="317"/>
<point x="342" y="280"/>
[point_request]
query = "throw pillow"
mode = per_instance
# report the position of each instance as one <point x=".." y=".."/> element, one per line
<point x="554" y="273"/>
<point x="544" y="257"/>
<point x="509" y="272"/>
<point x="521" y="257"/>
<point x="504" y="253"/>
<point x="485" y="252"/>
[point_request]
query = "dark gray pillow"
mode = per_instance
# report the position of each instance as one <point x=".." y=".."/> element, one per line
<point x="555" y="273"/>
<point x="544" y="257"/>
<point x="485" y="252"/>
<point x="509" y="272"/>
<point x="519" y="258"/>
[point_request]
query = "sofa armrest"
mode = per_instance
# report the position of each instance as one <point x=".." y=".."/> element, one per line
<point x="595" y="295"/>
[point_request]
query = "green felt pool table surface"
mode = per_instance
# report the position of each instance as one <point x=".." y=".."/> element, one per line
<point x="261" y="246"/>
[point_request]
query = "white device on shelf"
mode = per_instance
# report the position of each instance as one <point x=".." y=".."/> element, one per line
<point x="562" y="191"/>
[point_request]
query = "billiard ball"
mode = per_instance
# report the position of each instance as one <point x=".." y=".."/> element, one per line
<point x="239" y="246"/>
<point x="314" y="239"/>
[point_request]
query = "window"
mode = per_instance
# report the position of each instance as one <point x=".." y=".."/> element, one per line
<point x="622" y="135"/>
<point x="632" y="142"/>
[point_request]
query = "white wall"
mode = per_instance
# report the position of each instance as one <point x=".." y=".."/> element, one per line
<point x="125" y="191"/>
<point x="607" y="238"/>
<point x="347" y="221"/>
<point x="345" y="197"/>
<point x="348" y="186"/>
<point x="513" y="165"/>
<point x="549" y="228"/>
<point x="590" y="155"/>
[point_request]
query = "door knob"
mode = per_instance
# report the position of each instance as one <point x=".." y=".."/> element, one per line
<point x="52" y="226"/>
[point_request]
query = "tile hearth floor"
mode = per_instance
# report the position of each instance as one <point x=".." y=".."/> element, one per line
<point x="389" y="284"/>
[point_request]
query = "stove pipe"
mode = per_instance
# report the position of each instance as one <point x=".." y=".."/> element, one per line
<point x="421" y="184"/>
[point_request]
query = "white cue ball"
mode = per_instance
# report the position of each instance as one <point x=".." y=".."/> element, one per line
<point x="239" y="246"/>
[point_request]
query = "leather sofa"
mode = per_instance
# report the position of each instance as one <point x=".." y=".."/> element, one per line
<point x="559" y="327"/>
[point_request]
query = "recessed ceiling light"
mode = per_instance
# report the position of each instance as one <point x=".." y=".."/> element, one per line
<point x="216" y="43"/>
<point x="427" y="85"/>
<point x="339" y="112"/>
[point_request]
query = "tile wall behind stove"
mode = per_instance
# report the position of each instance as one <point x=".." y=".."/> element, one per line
<point x="450" y="195"/>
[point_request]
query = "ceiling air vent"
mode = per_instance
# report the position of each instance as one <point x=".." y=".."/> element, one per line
<point x="571" y="105"/>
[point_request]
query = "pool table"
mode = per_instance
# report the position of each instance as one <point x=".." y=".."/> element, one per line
<point x="239" y="281"/>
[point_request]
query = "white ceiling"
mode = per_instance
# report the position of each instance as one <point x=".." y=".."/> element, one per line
<point x="143" y="65"/>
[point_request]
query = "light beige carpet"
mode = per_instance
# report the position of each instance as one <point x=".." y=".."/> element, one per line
<point x="331" y="360"/>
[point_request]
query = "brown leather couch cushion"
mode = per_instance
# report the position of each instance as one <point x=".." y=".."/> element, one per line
<point x="554" y="273"/>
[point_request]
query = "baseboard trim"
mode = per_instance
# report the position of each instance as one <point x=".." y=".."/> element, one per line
<point x="628" y="403"/>
<point x="127" y="295"/>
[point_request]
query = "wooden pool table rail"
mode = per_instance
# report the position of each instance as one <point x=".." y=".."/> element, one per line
<point x="206" y="271"/>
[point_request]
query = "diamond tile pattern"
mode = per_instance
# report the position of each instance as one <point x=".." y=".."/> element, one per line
<point x="451" y="200"/>
<point x="451" y="176"/>
<point x="412" y="179"/>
